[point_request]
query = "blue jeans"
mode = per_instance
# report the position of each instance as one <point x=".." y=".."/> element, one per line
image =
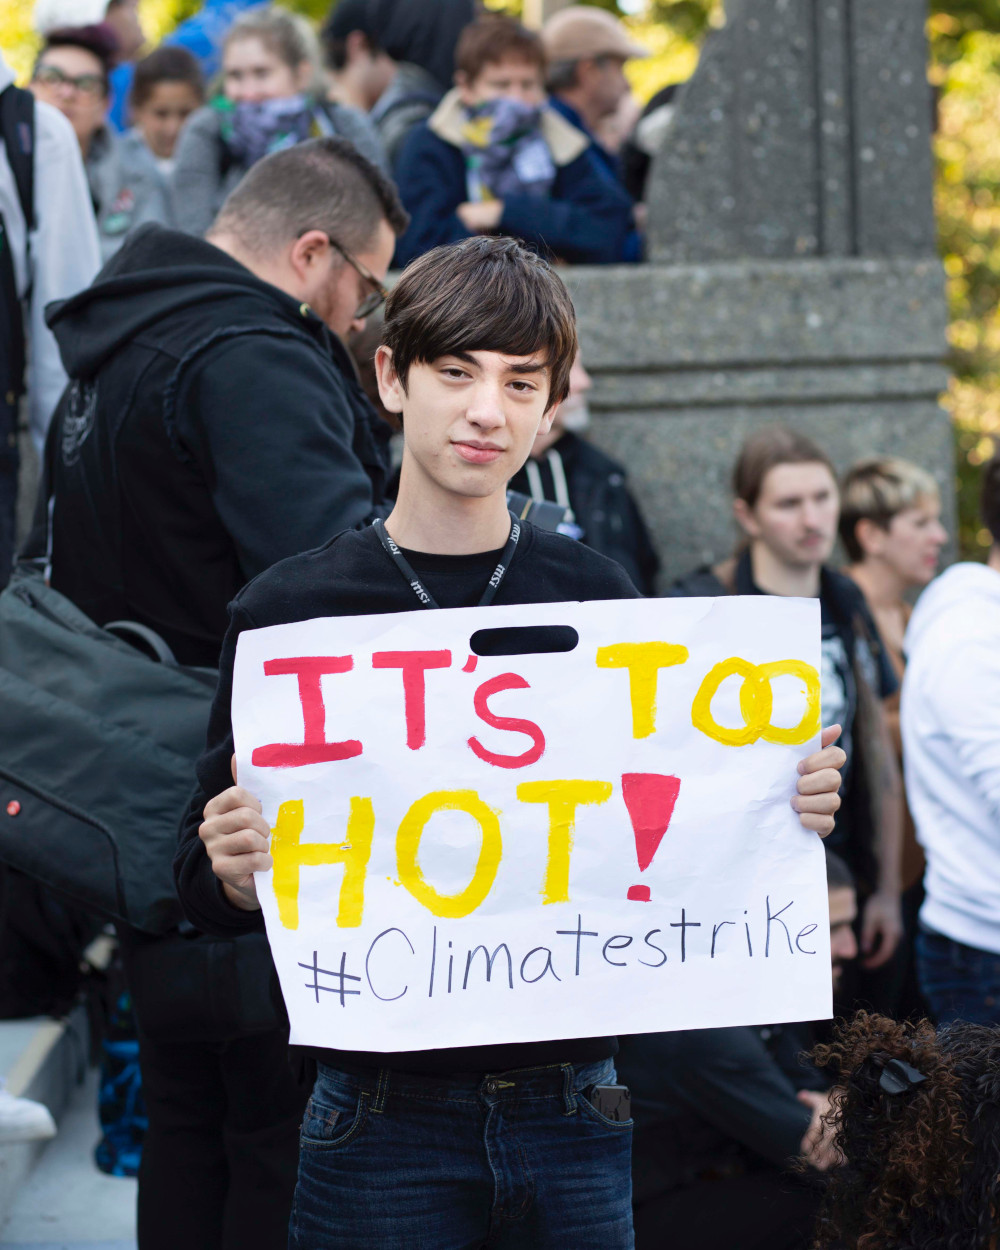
<point x="959" y="982"/>
<point x="511" y="1161"/>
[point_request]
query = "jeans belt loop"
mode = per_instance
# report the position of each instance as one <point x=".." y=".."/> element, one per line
<point x="569" y="1095"/>
<point x="381" y="1089"/>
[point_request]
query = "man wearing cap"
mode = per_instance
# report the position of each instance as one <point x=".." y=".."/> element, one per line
<point x="586" y="50"/>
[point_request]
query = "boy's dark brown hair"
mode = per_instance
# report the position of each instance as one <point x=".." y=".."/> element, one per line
<point x="490" y="40"/>
<point x="989" y="499"/>
<point x="482" y="295"/>
<point x="764" y="451"/>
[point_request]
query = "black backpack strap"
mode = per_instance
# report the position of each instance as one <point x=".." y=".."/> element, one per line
<point x="17" y="126"/>
<point x="17" y="129"/>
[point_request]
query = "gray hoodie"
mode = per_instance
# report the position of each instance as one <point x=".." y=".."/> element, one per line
<point x="127" y="188"/>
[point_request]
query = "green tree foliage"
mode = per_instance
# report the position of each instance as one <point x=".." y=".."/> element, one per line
<point x="689" y="19"/>
<point x="965" y="70"/>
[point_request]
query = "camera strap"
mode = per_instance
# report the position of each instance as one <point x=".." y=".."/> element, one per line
<point x="424" y="596"/>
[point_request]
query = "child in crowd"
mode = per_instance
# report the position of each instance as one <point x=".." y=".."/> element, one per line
<point x="495" y="158"/>
<point x="421" y="1147"/>
<point x="72" y="73"/>
<point x="917" y="1117"/>
<point x="271" y="99"/>
<point x="167" y="88"/>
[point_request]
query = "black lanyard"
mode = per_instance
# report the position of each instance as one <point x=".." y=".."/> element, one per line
<point x="425" y="597"/>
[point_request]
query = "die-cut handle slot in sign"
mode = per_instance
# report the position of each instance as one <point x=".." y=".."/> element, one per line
<point x="524" y="640"/>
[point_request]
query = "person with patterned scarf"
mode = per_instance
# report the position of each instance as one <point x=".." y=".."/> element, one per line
<point x="268" y="103"/>
<point x="494" y="158"/>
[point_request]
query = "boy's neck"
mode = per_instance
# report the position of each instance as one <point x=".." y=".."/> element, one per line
<point x="440" y="523"/>
<point x="775" y="577"/>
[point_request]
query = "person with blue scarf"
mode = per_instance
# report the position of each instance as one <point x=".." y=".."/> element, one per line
<point x="495" y="158"/>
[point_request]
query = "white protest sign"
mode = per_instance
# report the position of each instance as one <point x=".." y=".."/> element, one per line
<point x="473" y="849"/>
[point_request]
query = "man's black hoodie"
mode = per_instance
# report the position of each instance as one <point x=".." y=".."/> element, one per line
<point x="212" y="426"/>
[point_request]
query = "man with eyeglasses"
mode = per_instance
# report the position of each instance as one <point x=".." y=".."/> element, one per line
<point x="72" y="75"/>
<point x="214" y="425"/>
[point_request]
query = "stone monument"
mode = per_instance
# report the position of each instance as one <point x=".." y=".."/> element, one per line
<point x="793" y="273"/>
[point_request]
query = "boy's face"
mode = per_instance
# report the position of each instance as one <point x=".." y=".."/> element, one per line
<point x="512" y="77"/>
<point x="469" y="419"/>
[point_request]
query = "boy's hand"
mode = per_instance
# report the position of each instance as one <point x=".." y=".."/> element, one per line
<point x="819" y="784"/>
<point x="480" y="217"/>
<point x="238" y="840"/>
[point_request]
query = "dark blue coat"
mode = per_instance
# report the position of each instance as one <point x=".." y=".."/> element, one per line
<point x="585" y="220"/>
<point x="609" y="162"/>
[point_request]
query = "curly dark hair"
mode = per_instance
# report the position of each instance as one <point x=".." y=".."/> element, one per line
<point x="921" y="1169"/>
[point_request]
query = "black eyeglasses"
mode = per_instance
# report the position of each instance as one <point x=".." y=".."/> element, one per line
<point x="379" y="294"/>
<point x="86" y="84"/>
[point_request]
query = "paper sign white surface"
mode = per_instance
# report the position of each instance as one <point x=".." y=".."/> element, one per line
<point x="479" y="849"/>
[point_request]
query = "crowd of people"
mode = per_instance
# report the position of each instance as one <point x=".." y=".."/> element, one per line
<point x="195" y="250"/>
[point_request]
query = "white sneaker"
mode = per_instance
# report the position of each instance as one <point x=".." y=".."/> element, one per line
<point x="23" y="1120"/>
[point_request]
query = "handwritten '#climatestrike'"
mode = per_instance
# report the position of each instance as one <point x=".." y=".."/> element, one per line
<point x="528" y="803"/>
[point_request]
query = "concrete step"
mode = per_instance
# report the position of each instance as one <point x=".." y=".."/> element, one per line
<point x="66" y="1203"/>
<point x="43" y="1059"/>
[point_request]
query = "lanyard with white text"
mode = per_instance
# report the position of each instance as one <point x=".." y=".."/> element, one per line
<point x="420" y="590"/>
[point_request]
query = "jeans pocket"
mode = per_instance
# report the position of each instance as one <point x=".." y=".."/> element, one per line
<point x="588" y="1109"/>
<point x="334" y="1117"/>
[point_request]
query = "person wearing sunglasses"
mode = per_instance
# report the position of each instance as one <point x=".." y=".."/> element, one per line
<point x="72" y="74"/>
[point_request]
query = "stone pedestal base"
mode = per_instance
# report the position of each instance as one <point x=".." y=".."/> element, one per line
<point x="688" y="359"/>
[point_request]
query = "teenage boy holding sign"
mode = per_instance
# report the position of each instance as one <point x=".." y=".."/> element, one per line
<point x="446" y="1148"/>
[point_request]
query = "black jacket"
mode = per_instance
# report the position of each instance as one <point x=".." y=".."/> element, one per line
<point x="213" y="425"/>
<point x="707" y="1098"/>
<point x="602" y="505"/>
<point x="353" y="576"/>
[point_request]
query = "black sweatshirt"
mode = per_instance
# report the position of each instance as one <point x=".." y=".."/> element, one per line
<point x="353" y="576"/>
<point x="213" y="425"/>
